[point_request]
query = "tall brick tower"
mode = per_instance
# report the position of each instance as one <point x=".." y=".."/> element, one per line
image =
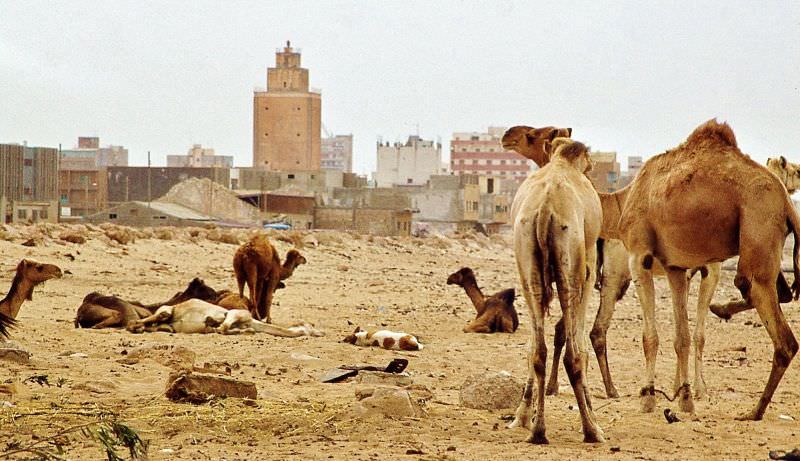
<point x="286" y="117"/>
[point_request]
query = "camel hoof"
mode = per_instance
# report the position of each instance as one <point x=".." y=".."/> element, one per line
<point x="720" y="311"/>
<point x="612" y="393"/>
<point x="538" y="438"/>
<point x="700" y="391"/>
<point x="519" y="422"/>
<point x="551" y="390"/>
<point x="685" y="399"/>
<point x="749" y="416"/>
<point x="594" y="436"/>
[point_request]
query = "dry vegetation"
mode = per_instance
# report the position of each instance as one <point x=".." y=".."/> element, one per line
<point x="351" y="280"/>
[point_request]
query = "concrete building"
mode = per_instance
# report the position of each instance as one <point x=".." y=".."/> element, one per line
<point x="320" y="181"/>
<point x="287" y="117"/>
<point x="295" y="209"/>
<point x="605" y="174"/>
<point x="483" y="154"/>
<point x="635" y="164"/>
<point x="412" y="163"/>
<point x="372" y="221"/>
<point x="142" y="214"/>
<point x="28" y="175"/>
<point x="82" y="192"/>
<point x="89" y="154"/>
<point x="337" y="153"/>
<point x="448" y="203"/>
<point x="130" y="183"/>
<point x="199" y="156"/>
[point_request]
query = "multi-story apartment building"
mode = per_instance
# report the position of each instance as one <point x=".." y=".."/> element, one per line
<point x="28" y="183"/>
<point x="409" y="164"/>
<point x="483" y="154"/>
<point x="605" y="174"/>
<point x="337" y="153"/>
<point x="200" y="157"/>
<point x="88" y="154"/>
<point x="287" y="117"/>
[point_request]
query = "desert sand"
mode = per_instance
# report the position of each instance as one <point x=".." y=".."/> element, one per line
<point x="372" y="282"/>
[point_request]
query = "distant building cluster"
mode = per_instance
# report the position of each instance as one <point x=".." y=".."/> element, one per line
<point x="297" y="177"/>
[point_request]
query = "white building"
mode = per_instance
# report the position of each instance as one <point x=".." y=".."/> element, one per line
<point x="198" y="157"/>
<point x="411" y="163"/>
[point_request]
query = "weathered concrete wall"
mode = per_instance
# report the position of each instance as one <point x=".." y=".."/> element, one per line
<point x="207" y="197"/>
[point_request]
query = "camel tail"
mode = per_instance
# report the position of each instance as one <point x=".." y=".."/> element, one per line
<point x="543" y="240"/>
<point x="793" y="222"/>
<point x="6" y="323"/>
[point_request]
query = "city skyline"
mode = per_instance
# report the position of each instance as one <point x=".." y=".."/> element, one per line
<point x="630" y="78"/>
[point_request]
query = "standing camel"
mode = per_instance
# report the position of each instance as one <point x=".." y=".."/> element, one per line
<point x="557" y="218"/>
<point x="700" y="203"/>
<point x="613" y="273"/>
<point x="256" y="263"/>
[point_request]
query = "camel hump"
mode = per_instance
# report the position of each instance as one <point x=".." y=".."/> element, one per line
<point x="713" y="131"/>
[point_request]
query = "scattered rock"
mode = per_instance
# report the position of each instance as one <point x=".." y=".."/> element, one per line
<point x="72" y="237"/>
<point x="382" y="378"/>
<point x="121" y="235"/>
<point x="96" y="387"/>
<point x="196" y="388"/>
<point x="386" y="401"/>
<point x="491" y="391"/>
<point x="175" y="357"/>
<point x="15" y="355"/>
<point x="79" y="355"/>
<point x="299" y="356"/>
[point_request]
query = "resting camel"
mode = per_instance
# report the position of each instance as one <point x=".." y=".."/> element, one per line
<point x="256" y="263"/>
<point x="704" y="202"/>
<point x="789" y="174"/>
<point x="613" y="274"/>
<point x="196" y="316"/>
<point x="495" y="313"/>
<point x="29" y="274"/>
<point x="557" y="218"/>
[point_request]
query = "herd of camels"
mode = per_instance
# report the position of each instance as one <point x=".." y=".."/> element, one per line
<point x="688" y="210"/>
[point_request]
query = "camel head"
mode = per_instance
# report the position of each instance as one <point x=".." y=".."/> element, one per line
<point x="294" y="258"/>
<point x="789" y="173"/>
<point x="533" y="143"/>
<point x="198" y="289"/>
<point x="461" y="276"/>
<point x="574" y="152"/>
<point x="351" y="338"/>
<point x="36" y="272"/>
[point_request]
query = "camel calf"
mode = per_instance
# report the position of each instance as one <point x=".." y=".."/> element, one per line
<point x="495" y="313"/>
<point x="557" y="219"/>
<point x="196" y="316"/>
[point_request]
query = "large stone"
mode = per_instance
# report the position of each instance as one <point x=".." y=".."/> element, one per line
<point x="15" y="355"/>
<point x="383" y="378"/>
<point x="491" y="391"/>
<point x="386" y="401"/>
<point x="196" y="388"/>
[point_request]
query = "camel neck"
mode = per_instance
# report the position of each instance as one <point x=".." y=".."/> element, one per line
<point x="287" y="269"/>
<point x="475" y="294"/>
<point x="21" y="289"/>
<point x="612" y="204"/>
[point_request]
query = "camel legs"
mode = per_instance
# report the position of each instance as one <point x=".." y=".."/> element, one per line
<point x="253" y="283"/>
<point x="482" y="324"/>
<point x="558" y="344"/>
<point x="114" y="319"/>
<point x="609" y="292"/>
<point x="708" y="285"/>
<point x="645" y="291"/>
<point x="759" y="289"/>
<point x="537" y="361"/>
<point x="679" y="286"/>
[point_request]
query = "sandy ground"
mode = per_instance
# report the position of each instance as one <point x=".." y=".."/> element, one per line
<point x="399" y="284"/>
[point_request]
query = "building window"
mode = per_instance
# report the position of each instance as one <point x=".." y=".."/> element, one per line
<point x="112" y="216"/>
<point x="290" y="176"/>
<point x="502" y="162"/>
<point x="22" y="214"/>
<point x="409" y="181"/>
<point x="298" y="134"/>
<point x="266" y="134"/>
<point x="43" y="213"/>
<point x="27" y="162"/>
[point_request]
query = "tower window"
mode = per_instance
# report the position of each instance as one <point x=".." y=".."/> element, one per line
<point x="298" y="134"/>
<point x="266" y="134"/>
<point x="266" y="108"/>
<point x="284" y="84"/>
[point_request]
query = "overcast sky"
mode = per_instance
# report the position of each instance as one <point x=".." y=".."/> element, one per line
<point x="630" y="76"/>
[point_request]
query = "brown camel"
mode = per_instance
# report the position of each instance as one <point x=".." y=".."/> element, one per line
<point x="100" y="311"/>
<point x="495" y="313"/>
<point x="613" y="274"/>
<point x="700" y="203"/>
<point x="29" y="274"/>
<point x="256" y="263"/>
<point x="557" y="218"/>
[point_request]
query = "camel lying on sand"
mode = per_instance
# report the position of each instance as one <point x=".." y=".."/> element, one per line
<point x="613" y="272"/>
<point x="703" y="202"/>
<point x="29" y="274"/>
<point x="495" y="314"/>
<point x="196" y="316"/>
<point x="256" y="264"/>
<point x="557" y="219"/>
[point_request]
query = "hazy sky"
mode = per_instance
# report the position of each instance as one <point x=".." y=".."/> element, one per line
<point x="632" y="76"/>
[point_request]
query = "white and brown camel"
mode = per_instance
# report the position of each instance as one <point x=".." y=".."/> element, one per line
<point x="28" y="275"/>
<point x="704" y="202"/>
<point x="196" y="316"/>
<point x="613" y="273"/>
<point x="557" y="218"/>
